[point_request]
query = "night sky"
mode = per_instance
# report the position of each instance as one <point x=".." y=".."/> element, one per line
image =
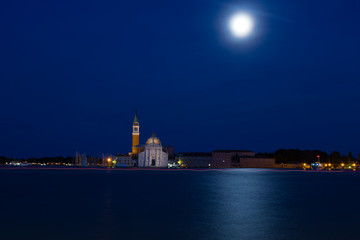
<point x="73" y="73"/>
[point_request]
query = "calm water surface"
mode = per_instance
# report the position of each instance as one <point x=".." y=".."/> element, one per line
<point x="176" y="204"/>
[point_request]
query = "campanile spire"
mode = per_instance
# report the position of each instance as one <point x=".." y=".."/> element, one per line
<point x="135" y="135"/>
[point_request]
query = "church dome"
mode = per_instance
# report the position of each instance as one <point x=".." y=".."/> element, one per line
<point x="153" y="140"/>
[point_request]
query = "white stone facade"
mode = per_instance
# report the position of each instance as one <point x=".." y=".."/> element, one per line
<point x="124" y="160"/>
<point x="153" y="154"/>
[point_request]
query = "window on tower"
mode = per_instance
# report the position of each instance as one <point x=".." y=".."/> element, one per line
<point x="136" y="129"/>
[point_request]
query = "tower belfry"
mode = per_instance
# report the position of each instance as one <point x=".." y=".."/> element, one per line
<point x="135" y="135"/>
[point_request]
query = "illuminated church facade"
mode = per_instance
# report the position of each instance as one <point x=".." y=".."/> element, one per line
<point x="152" y="154"/>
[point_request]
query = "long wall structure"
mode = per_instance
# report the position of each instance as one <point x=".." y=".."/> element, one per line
<point x="240" y="159"/>
<point x="194" y="159"/>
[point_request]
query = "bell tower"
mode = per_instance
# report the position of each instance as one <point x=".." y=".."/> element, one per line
<point x="135" y="135"/>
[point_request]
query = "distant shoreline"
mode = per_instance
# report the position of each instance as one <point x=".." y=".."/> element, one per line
<point x="175" y="170"/>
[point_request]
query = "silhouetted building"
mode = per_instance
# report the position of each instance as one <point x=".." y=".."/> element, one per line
<point x="240" y="159"/>
<point x="170" y="150"/>
<point x="84" y="161"/>
<point x="194" y="160"/>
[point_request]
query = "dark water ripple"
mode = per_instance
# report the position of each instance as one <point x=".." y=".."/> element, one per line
<point x="108" y="204"/>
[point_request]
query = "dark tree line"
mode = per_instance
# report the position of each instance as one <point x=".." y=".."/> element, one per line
<point x="310" y="156"/>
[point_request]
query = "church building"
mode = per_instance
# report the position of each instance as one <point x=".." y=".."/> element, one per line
<point x="152" y="154"/>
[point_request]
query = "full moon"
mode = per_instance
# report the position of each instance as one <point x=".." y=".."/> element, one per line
<point x="241" y="25"/>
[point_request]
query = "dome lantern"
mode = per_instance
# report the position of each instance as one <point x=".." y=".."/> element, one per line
<point x="153" y="140"/>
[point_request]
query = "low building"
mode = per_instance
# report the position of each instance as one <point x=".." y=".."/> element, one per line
<point x="194" y="160"/>
<point x="240" y="159"/>
<point x="124" y="160"/>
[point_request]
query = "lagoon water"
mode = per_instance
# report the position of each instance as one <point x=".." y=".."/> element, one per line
<point x="178" y="204"/>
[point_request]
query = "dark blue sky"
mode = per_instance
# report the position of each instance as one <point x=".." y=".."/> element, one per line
<point x="74" y="72"/>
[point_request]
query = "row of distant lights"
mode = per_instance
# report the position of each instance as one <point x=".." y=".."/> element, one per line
<point x="329" y="164"/>
<point x="13" y="163"/>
